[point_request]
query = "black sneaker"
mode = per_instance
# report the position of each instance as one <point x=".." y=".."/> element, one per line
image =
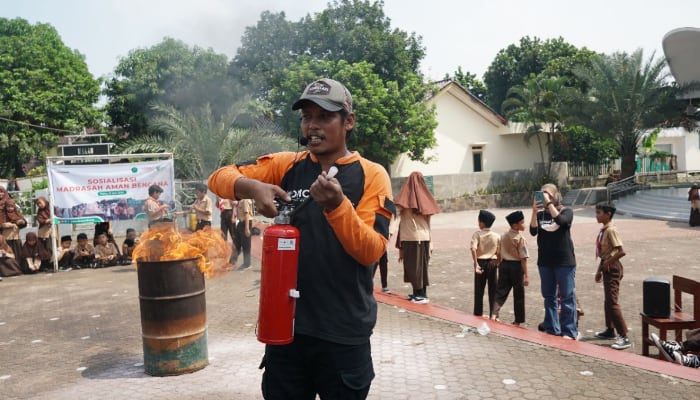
<point x="686" y="360"/>
<point x="666" y="349"/>
<point x="420" y="300"/>
<point x="411" y="297"/>
<point x="608" y="333"/>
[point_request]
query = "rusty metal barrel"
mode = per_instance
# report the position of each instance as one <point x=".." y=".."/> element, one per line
<point x="173" y="316"/>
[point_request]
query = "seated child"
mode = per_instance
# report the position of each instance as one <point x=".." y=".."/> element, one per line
<point x="8" y="265"/>
<point x="34" y="255"/>
<point x="65" y="254"/>
<point x="106" y="253"/>
<point x="84" y="253"/>
<point x="129" y="244"/>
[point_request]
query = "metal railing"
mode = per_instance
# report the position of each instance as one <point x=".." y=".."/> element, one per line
<point x="582" y="169"/>
<point x="622" y="187"/>
<point x="692" y="176"/>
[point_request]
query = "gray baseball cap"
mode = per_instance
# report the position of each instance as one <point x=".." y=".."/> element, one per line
<point x="329" y="94"/>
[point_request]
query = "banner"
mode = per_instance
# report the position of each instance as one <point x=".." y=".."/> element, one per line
<point x="98" y="193"/>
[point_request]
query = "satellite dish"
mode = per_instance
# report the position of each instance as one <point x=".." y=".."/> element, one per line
<point x="682" y="50"/>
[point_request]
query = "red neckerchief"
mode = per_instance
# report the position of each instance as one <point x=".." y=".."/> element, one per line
<point x="599" y="240"/>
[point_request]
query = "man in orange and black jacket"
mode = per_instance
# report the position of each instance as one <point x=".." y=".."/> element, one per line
<point x="343" y="232"/>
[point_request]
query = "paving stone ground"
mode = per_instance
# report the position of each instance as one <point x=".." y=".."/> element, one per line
<point x="77" y="334"/>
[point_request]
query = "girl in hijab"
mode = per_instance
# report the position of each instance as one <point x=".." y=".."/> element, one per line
<point x="43" y="218"/>
<point x="694" y="199"/>
<point x="34" y="255"/>
<point x="12" y="221"/>
<point x="4" y="196"/>
<point x="415" y="204"/>
<point x="8" y="265"/>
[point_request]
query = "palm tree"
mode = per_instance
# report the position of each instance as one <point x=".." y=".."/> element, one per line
<point x="539" y="104"/>
<point x="202" y="142"/>
<point x="627" y="96"/>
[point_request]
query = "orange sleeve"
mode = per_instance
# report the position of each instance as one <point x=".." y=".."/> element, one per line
<point x="269" y="168"/>
<point x="355" y="227"/>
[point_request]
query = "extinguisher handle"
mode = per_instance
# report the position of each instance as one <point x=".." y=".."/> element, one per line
<point x="293" y="293"/>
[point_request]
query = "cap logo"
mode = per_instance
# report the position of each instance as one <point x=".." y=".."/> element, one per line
<point x="319" y="88"/>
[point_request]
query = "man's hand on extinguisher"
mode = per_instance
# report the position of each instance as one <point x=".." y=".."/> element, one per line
<point x="264" y="195"/>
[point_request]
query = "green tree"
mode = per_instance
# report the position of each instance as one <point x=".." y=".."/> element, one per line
<point x="266" y="50"/>
<point x="202" y="141"/>
<point x="540" y="104"/>
<point x="584" y="145"/>
<point x="351" y="41"/>
<point x="628" y="95"/>
<point x="516" y="63"/>
<point x="171" y="73"/>
<point x="470" y="82"/>
<point x="390" y="119"/>
<point x="46" y="91"/>
<point x="348" y="30"/>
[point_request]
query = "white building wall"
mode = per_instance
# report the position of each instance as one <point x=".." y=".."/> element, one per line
<point x="462" y="123"/>
<point x="685" y="145"/>
<point x="692" y="152"/>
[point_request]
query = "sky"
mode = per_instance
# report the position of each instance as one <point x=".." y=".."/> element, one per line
<point x="455" y="32"/>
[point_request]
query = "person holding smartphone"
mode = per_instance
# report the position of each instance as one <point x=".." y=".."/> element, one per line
<point x="556" y="261"/>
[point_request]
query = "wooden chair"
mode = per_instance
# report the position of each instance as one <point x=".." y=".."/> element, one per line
<point x="679" y="319"/>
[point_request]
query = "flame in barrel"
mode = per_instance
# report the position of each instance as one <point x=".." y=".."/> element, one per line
<point x="164" y="242"/>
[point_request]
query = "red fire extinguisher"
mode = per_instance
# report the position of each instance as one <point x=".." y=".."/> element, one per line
<point x="278" y="294"/>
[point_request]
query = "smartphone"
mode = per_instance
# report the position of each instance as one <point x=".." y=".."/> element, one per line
<point x="539" y="196"/>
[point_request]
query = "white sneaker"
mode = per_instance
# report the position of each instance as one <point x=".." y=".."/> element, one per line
<point x="621" y="343"/>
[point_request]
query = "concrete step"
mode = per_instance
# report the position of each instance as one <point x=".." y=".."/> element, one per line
<point x="581" y="197"/>
<point x="654" y="205"/>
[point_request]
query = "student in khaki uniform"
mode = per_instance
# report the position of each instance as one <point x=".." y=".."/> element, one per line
<point x="65" y="254"/>
<point x="228" y="220"/>
<point x="486" y="253"/>
<point x="155" y="211"/>
<point x="202" y="207"/>
<point x="84" y="253"/>
<point x="106" y="252"/>
<point x="610" y="271"/>
<point x="242" y="239"/>
<point x="512" y="272"/>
